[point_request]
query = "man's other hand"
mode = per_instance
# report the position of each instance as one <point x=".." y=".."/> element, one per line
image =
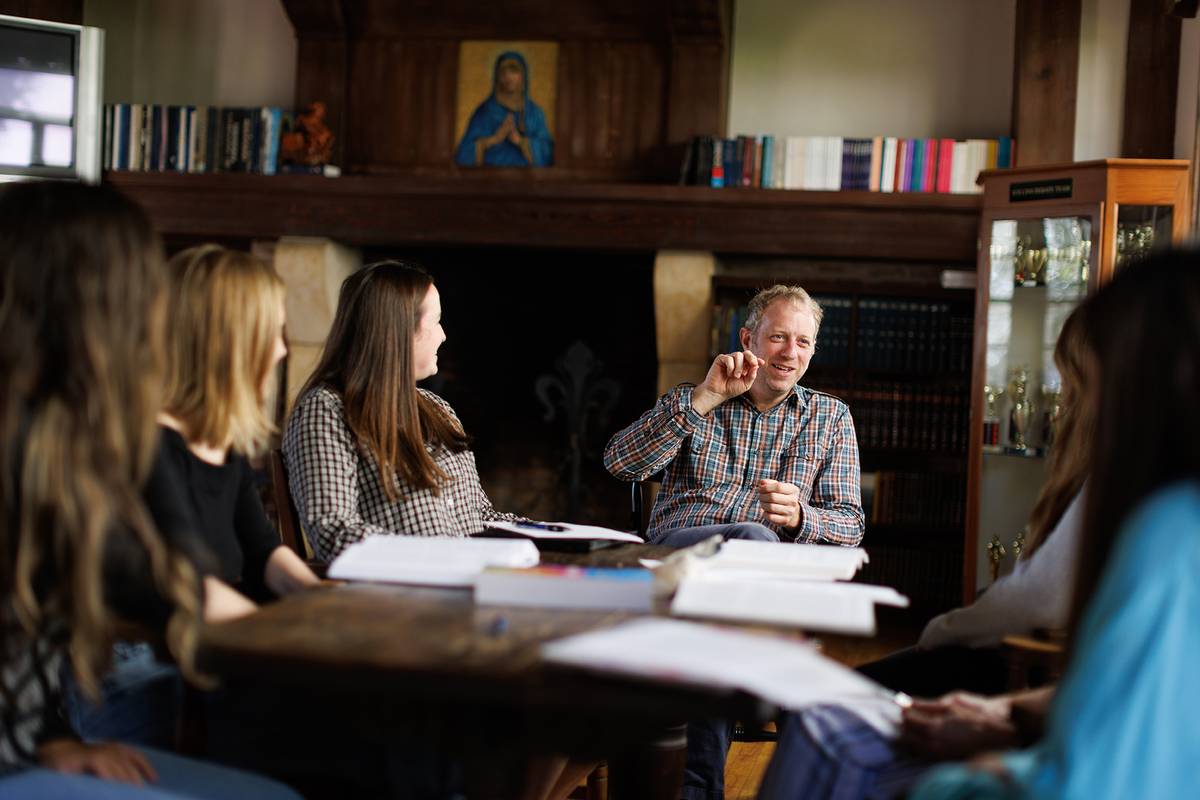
<point x="780" y="502"/>
<point x="731" y="374"/>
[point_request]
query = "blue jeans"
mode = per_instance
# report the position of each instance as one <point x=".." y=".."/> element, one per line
<point x="686" y="537"/>
<point x="829" y="753"/>
<point x="139" y="700"/>
<point x="178" y="779"/>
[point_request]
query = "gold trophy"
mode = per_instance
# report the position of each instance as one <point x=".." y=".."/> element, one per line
<point x="991" y="419"/>
<point x="995" y="554"/>
<point x="1020" y="414"/>
<point x="1052" y="406"/>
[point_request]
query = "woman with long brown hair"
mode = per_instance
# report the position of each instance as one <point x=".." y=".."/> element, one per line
<point x="367" y="451"/>
<point x="81" y="317"/>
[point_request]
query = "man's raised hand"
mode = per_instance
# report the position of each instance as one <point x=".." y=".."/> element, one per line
<point x="731" y="374"/>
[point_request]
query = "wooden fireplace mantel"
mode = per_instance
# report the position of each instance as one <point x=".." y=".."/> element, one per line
<point x="372" y="210"/>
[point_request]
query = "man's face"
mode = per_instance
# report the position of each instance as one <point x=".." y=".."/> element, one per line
<point x="785" y="340"/>
<point x="511" y="76"/>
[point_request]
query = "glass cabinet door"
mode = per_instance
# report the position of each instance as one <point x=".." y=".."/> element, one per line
<point x="1038" y="274"/>
<point x="1141" y="230"/>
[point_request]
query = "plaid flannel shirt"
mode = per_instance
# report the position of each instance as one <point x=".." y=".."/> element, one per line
<point x="713" y="463"/>
<point x="339" y="492"/>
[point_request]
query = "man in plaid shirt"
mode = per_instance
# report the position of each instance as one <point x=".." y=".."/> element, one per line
<point x="749" y="453"/>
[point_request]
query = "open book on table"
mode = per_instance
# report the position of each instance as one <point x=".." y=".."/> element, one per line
<point x="429" y="560"/>
<point x="559" y="535"/>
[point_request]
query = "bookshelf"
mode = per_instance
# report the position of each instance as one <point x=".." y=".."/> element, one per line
<point x="900" y="356"/>
<point x="542" y="208"/>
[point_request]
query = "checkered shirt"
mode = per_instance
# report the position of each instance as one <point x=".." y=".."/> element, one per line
<point x="339" y="493"/>
<point x="713" y="463"/>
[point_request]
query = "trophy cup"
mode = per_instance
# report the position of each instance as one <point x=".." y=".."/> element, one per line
<point x="995" y="554"/>
<point x="1020" y="414"/>
<point x="991" y="419"/>
<point x="1031" y="265"/>
<point x="1052" y="404"/>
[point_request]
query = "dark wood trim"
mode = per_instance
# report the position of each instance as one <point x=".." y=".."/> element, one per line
<point x="366" y="210"/>
<point x="1045" y="80"/>
<point x="1151" y="81"/>
<point x="66" y="11"/>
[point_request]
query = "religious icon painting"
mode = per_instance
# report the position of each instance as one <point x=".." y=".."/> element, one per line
<point x="505" y="105"/>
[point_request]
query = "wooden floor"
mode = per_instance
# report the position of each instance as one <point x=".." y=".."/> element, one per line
<point x="748" y="760"/>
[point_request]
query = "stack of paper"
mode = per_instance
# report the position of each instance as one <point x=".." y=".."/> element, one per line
<point x="782" y="584"/>
<point x="798" y="561"/>
<point x="788" y="673"/>
<point x="809" y="605"/>
<point x="429" y="560"/>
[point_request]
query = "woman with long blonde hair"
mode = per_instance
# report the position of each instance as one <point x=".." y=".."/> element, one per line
<point x="225" y="338"/>
<point x="81" y="318"/>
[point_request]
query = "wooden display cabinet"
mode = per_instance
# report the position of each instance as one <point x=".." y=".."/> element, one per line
<point x="1048" y="236"/>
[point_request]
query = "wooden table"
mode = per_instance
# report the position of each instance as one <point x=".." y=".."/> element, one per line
<point x="432" y="652"/>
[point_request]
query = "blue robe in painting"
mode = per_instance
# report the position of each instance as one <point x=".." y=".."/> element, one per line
<point x="531" y="123"/>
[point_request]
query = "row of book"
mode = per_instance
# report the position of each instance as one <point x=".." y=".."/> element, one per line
<point x="833" y="163"/>
<point x="892" y="415"/>
<point x="165" y="138"/>
<point x="917" y="336"/>
<point x="914" y="498"/>
<point x="914" y="336"/>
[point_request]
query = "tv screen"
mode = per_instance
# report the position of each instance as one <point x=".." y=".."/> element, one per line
<point x="49" y="99"/>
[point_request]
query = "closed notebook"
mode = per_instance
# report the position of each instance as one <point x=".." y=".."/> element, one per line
<point x="429" y="560"/>
<point x="555" y="586"/>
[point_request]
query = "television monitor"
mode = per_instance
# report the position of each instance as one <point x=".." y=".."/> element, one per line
<point x="51" y="117"/>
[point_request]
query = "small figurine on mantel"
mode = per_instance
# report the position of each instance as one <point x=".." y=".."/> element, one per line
<point x="309" y="142"/>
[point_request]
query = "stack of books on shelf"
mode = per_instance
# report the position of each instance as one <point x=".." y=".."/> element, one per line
<point x="893" y="334"/>
<point x="193" y="139"/>
<point x="914" y="498"/>
<point x="832" y="163"/>
<point x="913" y="336"/>
<point x="890" y="414"/>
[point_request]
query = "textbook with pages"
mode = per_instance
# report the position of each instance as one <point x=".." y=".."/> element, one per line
<point x="429" y="560"/>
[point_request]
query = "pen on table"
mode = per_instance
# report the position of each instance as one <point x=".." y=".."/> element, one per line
<point x="541" y="526"/>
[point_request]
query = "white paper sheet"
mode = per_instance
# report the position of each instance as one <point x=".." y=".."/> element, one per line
<point x="429" y="560"/>
<point x="788" y="673"/>
<point x="570" y="531"/>
<point x="800" y="561"/>
<point x="814" y="606"/>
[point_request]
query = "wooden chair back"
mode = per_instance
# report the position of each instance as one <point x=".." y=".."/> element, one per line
<point x="289" y="518"/>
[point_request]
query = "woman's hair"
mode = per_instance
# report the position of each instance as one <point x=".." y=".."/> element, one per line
<point x="368" y="360"/>
<point x="1146" y="334"/>
<point x="1070" y="457"/>
<point x="81" y="318"/>
<point x="225" y="311"/>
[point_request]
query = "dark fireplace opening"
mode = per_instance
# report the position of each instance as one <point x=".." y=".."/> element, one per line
<point x="512" y="318"/>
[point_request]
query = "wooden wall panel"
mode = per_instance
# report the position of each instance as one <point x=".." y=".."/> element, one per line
<point x="1046" y="78"/>
<point x="1151" y="81"/>
<point x="67" y="11"/>
<point x="618" y="64"/>
<point x="401" y="103"/>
